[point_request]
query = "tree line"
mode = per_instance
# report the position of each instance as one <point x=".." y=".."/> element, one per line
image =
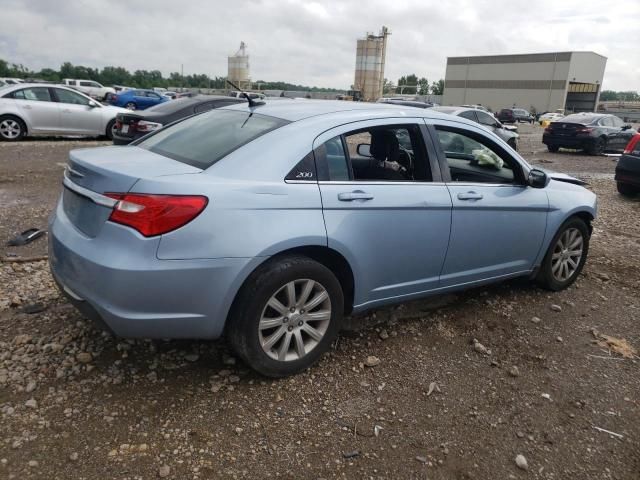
<point x="611" y="96"/>
<point x="411" y="84"/>
<point x="139" y="78"/>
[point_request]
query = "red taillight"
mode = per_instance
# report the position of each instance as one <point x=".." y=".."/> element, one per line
<point x="631" y="146"/>
<point x="118" y="124"/>
<point x="113" y="98"/>
<point x="155" y="214"/>
<point x="584" y="130"/>
<point x="547" y="129"/>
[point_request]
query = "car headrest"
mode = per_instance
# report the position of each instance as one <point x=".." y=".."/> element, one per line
<point x="384" y="146"/>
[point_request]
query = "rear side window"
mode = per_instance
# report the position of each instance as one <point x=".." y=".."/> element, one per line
<point x="38" y="94"/>
<point x="204" y="139"/>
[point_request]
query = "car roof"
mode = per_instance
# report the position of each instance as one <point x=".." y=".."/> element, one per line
<point x="295" y="110"/>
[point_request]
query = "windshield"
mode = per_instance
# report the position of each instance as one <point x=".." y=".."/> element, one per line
<point x="204" y="139"/>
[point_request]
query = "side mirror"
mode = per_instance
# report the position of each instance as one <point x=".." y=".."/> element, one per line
<point x="92" y="104"/>
<point x="626" y="127"/>
<point x="537" y="178"/>
<point x="364" y="150"/>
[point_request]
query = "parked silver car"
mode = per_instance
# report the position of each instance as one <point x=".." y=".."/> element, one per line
<point x="269" y="223"/>
<point x="485" y="119"/>
<point x="39" y="109"/>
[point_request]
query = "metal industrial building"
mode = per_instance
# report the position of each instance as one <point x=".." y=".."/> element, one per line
<point x="541" y="82"/>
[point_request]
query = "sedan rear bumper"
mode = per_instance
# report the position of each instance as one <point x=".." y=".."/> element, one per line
<point x="136" y="295"/>
<point x="568" y="142"/>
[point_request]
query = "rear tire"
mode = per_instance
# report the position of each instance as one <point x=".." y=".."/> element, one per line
<point x="12" y="129"/>
<point x="561" y="265"/>
<point x="627" y="190"/>
<point x="553" y="148"/>
<point x="597" y="147"/>
<point x="110" y="129"/>
<point x="285" y="340"/>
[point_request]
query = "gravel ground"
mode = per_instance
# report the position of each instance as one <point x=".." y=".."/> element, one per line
<point x="495" y="383"/>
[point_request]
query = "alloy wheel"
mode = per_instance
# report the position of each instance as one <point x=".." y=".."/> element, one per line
<point x="294" y="320"/>
<point x="10" y="129"/>
<point x="567" y="254"/>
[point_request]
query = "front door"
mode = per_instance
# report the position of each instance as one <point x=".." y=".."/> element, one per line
<point x="76" y="114"/>
<point x="498" y="222"/>
<point x="383" y="208"/>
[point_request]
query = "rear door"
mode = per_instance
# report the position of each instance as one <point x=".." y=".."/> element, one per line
<point x="76" y="114"/>
<point x="623" y="135"/>
<point x="393" y="228"/>
<point x="39" y="109"/>
<point x="498" y="222"/>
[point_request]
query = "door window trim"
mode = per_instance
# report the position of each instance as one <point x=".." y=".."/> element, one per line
<point x="519" y="175"/>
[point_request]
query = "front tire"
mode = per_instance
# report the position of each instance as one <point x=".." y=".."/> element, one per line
<point x="12" y="129"/>
<point x="286" y="316"/>
<point x="553" y="148"/>
<point x="130" y="106"/>
<point x="626" y="189"/>
<point x="566" y="256"/>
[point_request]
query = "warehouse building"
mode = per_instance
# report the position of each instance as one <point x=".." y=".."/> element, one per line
<point x="540" y="82"/>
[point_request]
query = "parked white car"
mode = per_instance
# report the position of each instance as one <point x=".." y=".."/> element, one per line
<point x="551" y="116"/>
<point x="253" y="95"/>
<point x="35" y="109"/>
<point x="89" y="87"/>
<point x="11" y="80"/>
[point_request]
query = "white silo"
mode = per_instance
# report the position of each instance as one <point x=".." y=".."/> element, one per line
<point x="370" y="60"/>
<point x="238" y="67"/>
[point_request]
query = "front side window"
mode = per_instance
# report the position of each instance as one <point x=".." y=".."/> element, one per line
<point x="469" y="115"/>
<point x="204" y="139"/>
<point x="65" y="96"/>
<point x="486" y="119"/>
<point x="475" y="160"/>
<point x="37" y="94"/>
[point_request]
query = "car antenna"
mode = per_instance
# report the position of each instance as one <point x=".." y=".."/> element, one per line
<point x="252" y="103"/>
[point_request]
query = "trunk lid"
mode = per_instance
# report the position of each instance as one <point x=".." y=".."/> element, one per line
<point x="93" y="172"/>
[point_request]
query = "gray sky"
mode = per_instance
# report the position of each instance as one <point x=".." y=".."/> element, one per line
<point x="313" y="42"/>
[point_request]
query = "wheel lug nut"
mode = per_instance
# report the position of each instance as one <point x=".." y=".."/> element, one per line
<point x="301" y="311"/>
<point x="292" y="309"/>
<point x="285" y="319"/>
<point x="290" y="328"/>
<point x="299" y="324"/>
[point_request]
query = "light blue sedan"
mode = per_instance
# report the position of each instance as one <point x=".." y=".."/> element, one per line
<point x="269" y="223"/>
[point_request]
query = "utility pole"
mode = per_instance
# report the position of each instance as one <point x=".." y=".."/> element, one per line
<point x="182" y="75"/>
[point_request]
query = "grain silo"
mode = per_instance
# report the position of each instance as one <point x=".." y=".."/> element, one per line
<point x="370" y="58"/>
<point x="238" y="68"/>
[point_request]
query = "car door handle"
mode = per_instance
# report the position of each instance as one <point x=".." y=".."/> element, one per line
<point x="27" y="107"/>
<point x="355" y="195"/>
<point x="470" y="196"/>
<point x="66" y="110"/>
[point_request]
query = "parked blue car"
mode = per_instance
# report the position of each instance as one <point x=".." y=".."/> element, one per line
<point x="269" y="223"/>
<point x="136" y="99"/>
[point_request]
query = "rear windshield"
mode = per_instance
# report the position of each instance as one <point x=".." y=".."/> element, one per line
<point x="173" y="106"/>
<point x="204" y="139"/>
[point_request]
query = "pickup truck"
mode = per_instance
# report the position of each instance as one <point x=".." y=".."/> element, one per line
<point x="89" y="87"/>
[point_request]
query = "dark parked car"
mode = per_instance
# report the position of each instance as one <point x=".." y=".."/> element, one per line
<point x="592" y="132"/>
<point x="131" y="126"/>
<point x="628" y="168"/>
<point x="515" y="115"/>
